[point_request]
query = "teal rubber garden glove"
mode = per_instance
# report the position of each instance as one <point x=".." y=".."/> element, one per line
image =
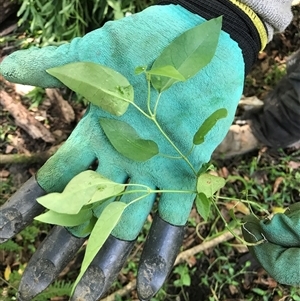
<point x="279" y="253"/>
<point x="123" y="45"/>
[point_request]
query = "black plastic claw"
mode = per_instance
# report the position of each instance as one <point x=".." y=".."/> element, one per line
<point x="159" y="254"/>
<point x="20" y="209"/>
<point x="103" y="270"/>
<point x="52" y="256"/>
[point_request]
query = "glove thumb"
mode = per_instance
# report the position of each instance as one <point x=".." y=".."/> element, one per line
<point x="28" y="67"/>
<point x="279" y="254"/>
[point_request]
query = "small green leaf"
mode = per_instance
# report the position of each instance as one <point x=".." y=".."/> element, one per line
<point x="167" y="71"/>
<point x="88" y="186"/>
<point x="126" y="141"/>
<point x="102" y="229"/>
<point x="209" y="184"/>
<point x="208" y="124"/>
<point x="203" y="205"/>
<point x="259" y="291"/>
<point x="140" y="69"/>
<point x="188" y="53"/>
<point x="102" y="86"/>
<point x="66" y="220"/>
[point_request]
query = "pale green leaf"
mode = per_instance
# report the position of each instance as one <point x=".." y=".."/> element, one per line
<point x="208" y="124"/>
<point x="88" y="186"/>
<point x="102" y="86"/>
<point x="126" y="141"/>
<point x="188" y="53"/>
<point x="167" y="71"/>
<point x="66" y="220"/>
<point x="203" y="205"/>
<point x="140" y="69"/>
<point x="209" y="184"/>
<point x="102" y="229"/>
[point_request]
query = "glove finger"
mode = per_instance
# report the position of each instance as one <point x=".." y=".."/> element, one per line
<point x="103" y="270"/>
<point x="52" y="256"/>
<point x="110" y="259"/>
<point x="73" y="157"/>
<point x="163" y="242"/>
<point x="134" y="216"/>
<point x="29" y="66"/>
<point x="175" y="208"/>
<point x="158" y="256"/>
<point x="20" y="209"/>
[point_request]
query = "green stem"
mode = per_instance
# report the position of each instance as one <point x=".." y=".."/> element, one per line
<point x="254" y="204"/>
<point x="152" y="116"/>
<point x="169" y="157"/>
<point x="139" y="109"/>
<point x="156" y="104"/>
<point x="174" y="146"/>
<point x="230" y="230"/>
<point x="149" y="190"/>
<point x="148" y="76"/>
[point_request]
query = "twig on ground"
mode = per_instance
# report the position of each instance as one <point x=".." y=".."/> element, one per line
<point x="64" y="108"/>
<point x="23" y="118"/>
<point x="183" y="256"/>
<point x="39" y="157"/>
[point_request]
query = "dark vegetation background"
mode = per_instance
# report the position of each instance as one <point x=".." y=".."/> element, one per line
<point x="266" y="177"/>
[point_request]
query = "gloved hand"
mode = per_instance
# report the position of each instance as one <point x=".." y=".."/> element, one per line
<point x="123" y="45"/>
<point x="279" y="254"/>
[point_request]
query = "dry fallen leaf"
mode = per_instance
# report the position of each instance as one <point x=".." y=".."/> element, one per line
<point x="238" y="206"/>
<point x="7" y="273"/>
<point x="278" y="210"/>
<point x="277" y="183"/>
<point x="4" y="173"/>
<point x="294" y="164"/>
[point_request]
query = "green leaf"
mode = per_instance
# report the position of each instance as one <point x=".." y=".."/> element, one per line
<point x="203" y="205"/>
<point x="209" y="184"/>
<point x="259" y="291"/>
<point x="140" y="69"/>
<point x="87" y="187"/>
<point x="127" y="142"/>
<point x="102" y="229"/>
<point x="66" y="220"/>
<point x="208" y="124"/>
<point x="168" y="71"/>
<point x="102" y="86"/>
<point x="188" y="53"/>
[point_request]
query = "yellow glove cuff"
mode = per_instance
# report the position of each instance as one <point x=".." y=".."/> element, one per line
<point x="263" y="35"/>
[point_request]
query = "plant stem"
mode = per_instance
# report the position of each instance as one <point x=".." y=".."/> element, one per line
<point x="174" y="146"/>
<point x="139" y="109"/>
<point x="149" y="190"/>
<point x="152" y="116"/>
<point x="232" y="232"/>
<point x="148" y="76"/>
<point x="156" y="104"/>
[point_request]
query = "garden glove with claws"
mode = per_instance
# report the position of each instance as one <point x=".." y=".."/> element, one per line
<point x="279" y="252"/>
<point x="123" y="45"/>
